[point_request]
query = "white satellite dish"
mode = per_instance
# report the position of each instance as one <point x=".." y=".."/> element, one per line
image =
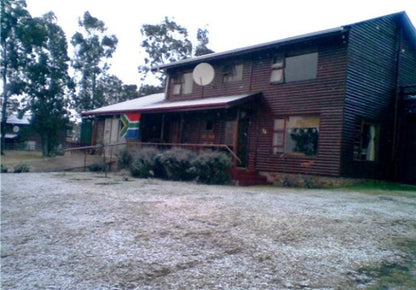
<point x="203" y="74"/>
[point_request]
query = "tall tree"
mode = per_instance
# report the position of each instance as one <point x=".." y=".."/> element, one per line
<point x="14" y="46"/>
<point x="167" y="42"/>
<point x="203" y="40"/>
<point x="164" y="42"/>
<point x="93" y="48"/>
<point x="46" y="75"/>
<point x="111" y="90"/>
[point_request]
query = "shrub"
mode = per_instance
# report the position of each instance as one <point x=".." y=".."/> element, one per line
<point x="182" y="164"/>
<point x="176" y="163"/>
<point x="19" y="168"/>
<point x="125" y="159"/>
<point x="212" y="167"/>
<point x="97" y="167"/>
<point x="4" y="168"/>
<point x="145" y="164"/>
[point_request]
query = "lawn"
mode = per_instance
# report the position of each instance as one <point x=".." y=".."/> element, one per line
<point x="84" y="231"/>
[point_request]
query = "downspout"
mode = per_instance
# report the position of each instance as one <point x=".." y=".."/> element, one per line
<point x="394" y="157"/>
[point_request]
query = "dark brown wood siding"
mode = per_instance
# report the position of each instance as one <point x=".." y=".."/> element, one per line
<point x="357" y="80"/>
<point x="218" y="87"/>
<point x="371" y="82"/>
<point x="322" y="96"/>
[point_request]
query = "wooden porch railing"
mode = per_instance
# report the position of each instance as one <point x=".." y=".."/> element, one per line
<point x="108" y="155"/>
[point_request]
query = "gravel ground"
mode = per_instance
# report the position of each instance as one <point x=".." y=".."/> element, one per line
<point x="83" y="231"/>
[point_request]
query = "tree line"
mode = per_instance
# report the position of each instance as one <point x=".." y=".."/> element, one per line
<point x="36" y="74"/>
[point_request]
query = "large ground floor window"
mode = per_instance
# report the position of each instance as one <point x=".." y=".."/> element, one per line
<point x="296" y="135"/>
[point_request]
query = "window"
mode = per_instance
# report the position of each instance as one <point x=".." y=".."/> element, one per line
<point x="294" y="68"/>
<point x="277" y="69"/>
<point x="366" y="144"/>
<point x="183" y="84"/>
<point x="278" y="136"/>
<point x="232" y="73"/>
<point x="296" y="135"/>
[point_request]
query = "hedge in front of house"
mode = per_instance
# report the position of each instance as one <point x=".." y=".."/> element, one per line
<point x="177" y="163"/>
<point x="212" y="167"/>
<point x="182" y="164"/>
<point x="144" y="164"/>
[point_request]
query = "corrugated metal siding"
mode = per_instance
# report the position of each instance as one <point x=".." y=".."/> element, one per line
<point x="372" y="52"/>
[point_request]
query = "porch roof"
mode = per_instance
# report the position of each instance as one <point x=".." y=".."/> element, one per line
<point x="158" y="104"/>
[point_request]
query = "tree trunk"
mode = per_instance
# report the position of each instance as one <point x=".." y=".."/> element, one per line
<point x="45" y="145"/>
<point x="4" y="103"/>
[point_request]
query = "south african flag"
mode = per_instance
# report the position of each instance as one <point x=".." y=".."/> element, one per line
<point x="131" y="125"/>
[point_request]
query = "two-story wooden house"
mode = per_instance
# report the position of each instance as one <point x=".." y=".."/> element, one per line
<point x="338" y="102"/>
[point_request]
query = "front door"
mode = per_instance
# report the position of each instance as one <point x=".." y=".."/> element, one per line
<point x="242" y="141"/>
<point x="175" y="130"/>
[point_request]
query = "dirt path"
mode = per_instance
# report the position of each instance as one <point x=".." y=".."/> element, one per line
<point x="83" y="231"/>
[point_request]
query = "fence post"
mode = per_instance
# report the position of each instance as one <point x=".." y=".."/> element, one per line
<point x="85" y="160"/>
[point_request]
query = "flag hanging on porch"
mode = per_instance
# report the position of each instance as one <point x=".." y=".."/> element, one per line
<point x="131" y="125"/>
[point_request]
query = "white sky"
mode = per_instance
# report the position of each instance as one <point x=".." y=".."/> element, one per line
<point x="231" y="23"/>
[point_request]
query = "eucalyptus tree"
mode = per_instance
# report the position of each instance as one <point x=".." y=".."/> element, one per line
<point x="167" y="42"/>
<point x="111" y="90"/>
<point x="47" y="81"/>
<point x="203" y="40"/>
<point x="164" y="42"/>
<point x="15" y="20"/>
<point x="93" y="48"/>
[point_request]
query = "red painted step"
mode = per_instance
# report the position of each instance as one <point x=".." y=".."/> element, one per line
<point x="246" y="177"/>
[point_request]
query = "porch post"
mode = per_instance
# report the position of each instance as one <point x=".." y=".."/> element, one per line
<point x="180" y="128"/>
<point x="235" y="137"/>
<point x="162" y="129"/>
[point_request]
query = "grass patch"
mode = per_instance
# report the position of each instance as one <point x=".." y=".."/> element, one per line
<point x="382" y="187"/>
<point x="16" y="156"/>
<point x="399" y="275"/>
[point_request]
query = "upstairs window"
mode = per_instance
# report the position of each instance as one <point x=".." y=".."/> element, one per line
<point x="277" y="69"/>
<point x="294" y="68"/>
<point x="183" y="84"/>
<point x="232" y="73"/>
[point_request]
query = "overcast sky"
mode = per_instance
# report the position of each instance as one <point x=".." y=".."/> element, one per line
<point x="231" y="23"/>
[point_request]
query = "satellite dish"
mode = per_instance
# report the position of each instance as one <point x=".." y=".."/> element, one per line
<point x="203" y="74"/>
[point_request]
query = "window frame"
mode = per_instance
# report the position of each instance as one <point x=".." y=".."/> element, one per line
<point x="282" y="133"/>
<point x="279" y="65"/>
<point x="279" y="147"/>
<point x="232" y="73"/>
<point x="179" y="84"/>
<point x="360" y="150"/>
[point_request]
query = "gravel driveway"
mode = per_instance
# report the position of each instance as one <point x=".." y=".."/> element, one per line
<point x="83" y="231"/>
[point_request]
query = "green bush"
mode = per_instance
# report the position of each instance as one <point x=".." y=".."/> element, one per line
<point x="182" y="164"/>
<point x="19" y="168"/>
<point x="176" y="163"/>
<point x="4" y="168"/>
<point x="97" y="167"/>
<point x="212" y="167"/>
<point x="145" y="163"/>
<point x="125" y="159"/>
